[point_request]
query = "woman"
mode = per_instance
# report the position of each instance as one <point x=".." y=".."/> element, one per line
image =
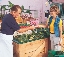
<point x="55" y="25"/>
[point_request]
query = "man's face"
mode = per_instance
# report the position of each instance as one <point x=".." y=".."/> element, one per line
<point x="17" y="13"/>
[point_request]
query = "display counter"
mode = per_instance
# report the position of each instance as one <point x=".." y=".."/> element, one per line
<point x="32" y="45"/>
<point x="37" y="48"/>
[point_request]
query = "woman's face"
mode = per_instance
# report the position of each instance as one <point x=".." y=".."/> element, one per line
<point x="53" y="13"/>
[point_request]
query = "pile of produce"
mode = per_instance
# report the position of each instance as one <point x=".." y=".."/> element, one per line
<point x="31" y="35"/>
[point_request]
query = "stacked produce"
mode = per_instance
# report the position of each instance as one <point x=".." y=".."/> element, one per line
<point x="31" y="35"/>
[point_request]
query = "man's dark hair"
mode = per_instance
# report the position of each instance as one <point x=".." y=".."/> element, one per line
<point x="15" y="8"/>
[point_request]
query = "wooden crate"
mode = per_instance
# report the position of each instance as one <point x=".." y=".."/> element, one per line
<point x="38" y="48"/>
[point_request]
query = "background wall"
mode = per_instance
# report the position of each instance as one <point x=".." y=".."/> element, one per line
<point x="38" y="5"/>
<point x="58" y="1"/>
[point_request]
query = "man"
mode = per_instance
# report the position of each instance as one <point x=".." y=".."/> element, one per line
<point x="8" y="27"/>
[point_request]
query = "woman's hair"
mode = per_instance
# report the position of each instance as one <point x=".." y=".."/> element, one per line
<point x="15" y="8"/>
<point x="55" y="9"/>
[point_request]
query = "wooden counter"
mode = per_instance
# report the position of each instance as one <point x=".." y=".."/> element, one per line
<point x="37" y="48"/>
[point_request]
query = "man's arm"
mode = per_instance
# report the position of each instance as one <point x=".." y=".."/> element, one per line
<point x="25" y="29"/>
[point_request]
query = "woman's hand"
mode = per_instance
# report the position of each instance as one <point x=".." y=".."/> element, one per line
<point x="39" y="26"/>
<point x="32" y="27"/>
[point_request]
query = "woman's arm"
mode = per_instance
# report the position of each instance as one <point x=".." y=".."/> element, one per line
<point x="42" y="25"/>
<point x="60" y="32"/>
<point x="60" y="28"/>
<point x="46" y="24"/>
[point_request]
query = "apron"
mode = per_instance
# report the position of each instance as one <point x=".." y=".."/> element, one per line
<point x="6" y="47"/>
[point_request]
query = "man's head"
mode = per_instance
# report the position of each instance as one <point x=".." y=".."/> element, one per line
<point x="16" y="11"/>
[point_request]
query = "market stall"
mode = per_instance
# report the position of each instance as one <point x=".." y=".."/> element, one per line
<point x="32" y="43"/>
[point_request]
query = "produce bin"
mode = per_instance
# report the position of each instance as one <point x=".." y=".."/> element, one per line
<point x="37" y="48"/>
